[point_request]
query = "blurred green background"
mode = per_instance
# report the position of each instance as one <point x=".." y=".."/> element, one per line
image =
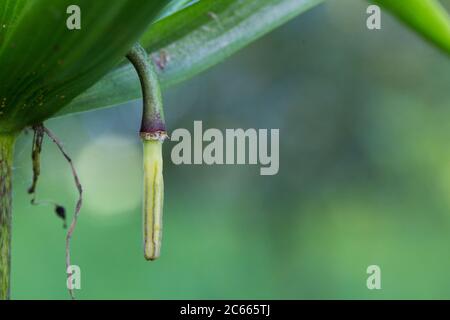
<point x="364" y="177"/>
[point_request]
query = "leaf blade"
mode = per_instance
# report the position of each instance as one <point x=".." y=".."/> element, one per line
<point x="199" y="43"/>
<point x="43" y="65"/>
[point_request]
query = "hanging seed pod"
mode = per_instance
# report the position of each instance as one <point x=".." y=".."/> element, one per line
<point x="153" y="134"/>
<point x="153" y="197"/>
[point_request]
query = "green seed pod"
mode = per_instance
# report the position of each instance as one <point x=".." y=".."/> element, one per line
<point x="153" y="197"/>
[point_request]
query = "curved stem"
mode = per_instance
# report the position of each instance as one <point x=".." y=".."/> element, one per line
<point x="6" y="159"/>
<point x="152" y="115"/>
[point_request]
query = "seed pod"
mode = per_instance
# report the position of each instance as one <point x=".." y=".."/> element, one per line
<point x="153" y="197"/>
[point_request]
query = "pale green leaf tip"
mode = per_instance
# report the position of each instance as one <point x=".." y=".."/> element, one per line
<point x="427" y="17"/>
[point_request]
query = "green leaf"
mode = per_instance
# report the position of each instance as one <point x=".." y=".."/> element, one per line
<point x="190" y="41"/>
<point x="174" y="6"/>
<point x="44" y="65"/>
<point x="427" y="17"/>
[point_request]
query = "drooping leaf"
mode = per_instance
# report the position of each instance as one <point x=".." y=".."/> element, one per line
<point x="43" y="64"/>
<point x="190" y="41"/>
<point x="427" y="17"/>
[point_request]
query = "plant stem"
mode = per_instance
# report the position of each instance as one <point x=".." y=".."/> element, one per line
<point x="153" y="133"/>
<point x="153" y="114"/>
<point x="6" y="159"/>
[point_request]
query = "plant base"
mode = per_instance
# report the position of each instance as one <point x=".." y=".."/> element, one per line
<point x="6" y="159"/>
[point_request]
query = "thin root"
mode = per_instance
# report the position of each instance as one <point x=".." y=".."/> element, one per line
<point x="79" y="202"/>
<point x="60" y="211"/>
<point x="38" y="138"/>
